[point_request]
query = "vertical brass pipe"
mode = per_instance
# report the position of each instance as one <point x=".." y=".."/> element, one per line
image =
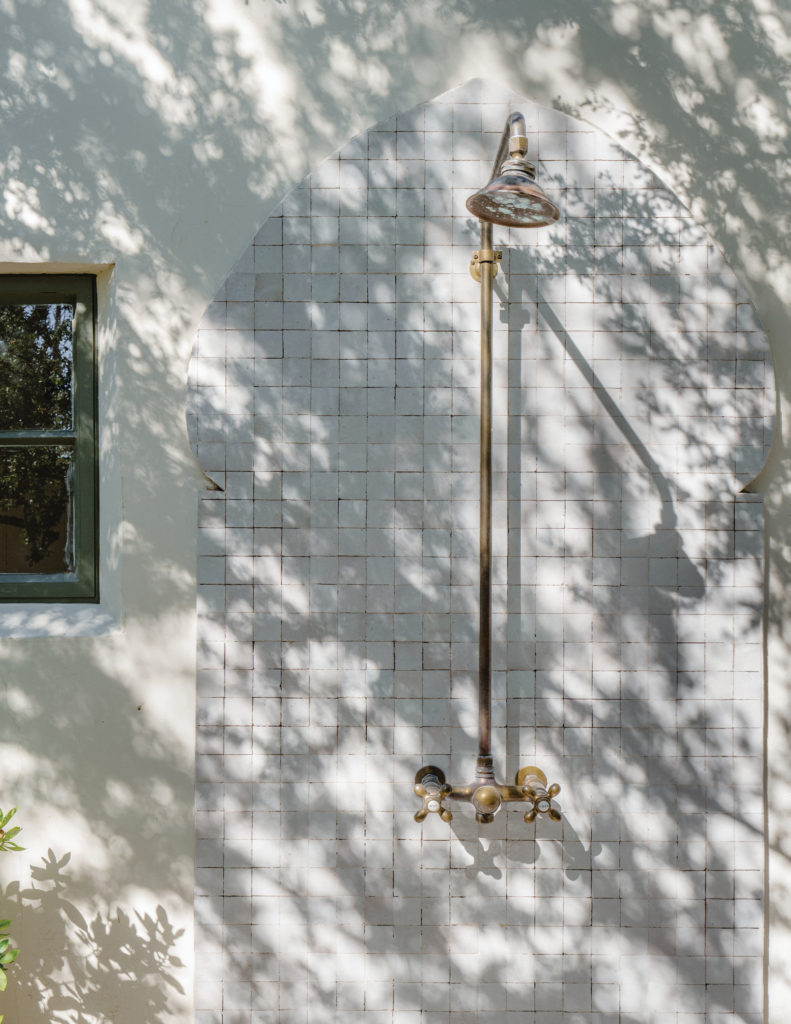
<point x="511" y="198"/>
<point x="487" y="270"/>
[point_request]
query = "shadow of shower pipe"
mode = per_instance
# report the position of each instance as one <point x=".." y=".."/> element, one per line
<point x="575" y="857"/>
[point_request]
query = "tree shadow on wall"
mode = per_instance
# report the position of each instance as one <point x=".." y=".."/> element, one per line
<point x="651" y="584"/>
<point x="112" y="967"/>
<point x="123" y="797"/>
<point x="487" y="857"/>
<point x="134" y="114"/>
<point x="385" y="649"/>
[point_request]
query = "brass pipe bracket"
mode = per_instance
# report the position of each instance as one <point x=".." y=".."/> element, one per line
<point x="486" y="794"/>
<point x="492" y="256"/>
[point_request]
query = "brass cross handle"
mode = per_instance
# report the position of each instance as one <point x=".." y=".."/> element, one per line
<point x="535" y="790"/>
<point x="431" y="786"/>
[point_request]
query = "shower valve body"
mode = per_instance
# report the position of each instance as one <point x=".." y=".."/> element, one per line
<point x="486" y="794"/>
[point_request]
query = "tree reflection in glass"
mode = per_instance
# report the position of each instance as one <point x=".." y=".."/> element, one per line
<point x="36" y="374"/>
<point x="36" y="367"/>
<point x="36" y="509"/>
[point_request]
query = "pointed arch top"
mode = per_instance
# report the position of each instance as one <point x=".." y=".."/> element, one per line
<point x="627" y="290"/>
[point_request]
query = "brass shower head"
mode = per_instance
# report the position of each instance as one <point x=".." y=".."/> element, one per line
<point x="512" y="197"/>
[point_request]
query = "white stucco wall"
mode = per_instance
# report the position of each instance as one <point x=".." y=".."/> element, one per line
<point x="156" y="138"/>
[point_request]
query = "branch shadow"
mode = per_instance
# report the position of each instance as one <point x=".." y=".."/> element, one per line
<point x="132" y="110"/>
<point x="337" y="614"/>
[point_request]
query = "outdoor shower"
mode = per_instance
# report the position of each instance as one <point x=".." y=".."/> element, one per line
<point x="511" y="198"/>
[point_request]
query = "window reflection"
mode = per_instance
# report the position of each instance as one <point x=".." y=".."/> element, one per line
<point x="36" y="510"/>
<point x="36" y="359"/>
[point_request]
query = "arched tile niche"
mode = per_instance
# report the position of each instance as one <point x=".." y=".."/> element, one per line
<point x="334" y="399"/>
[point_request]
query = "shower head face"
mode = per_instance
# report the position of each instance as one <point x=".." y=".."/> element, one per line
<point x="514" y="200"/>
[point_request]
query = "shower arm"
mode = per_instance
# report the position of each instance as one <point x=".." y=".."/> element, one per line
<point x="514" y="130"/>
<point x="484" y="792"/>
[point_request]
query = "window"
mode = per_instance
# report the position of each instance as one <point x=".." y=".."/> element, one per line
<point x="48" y="463"/>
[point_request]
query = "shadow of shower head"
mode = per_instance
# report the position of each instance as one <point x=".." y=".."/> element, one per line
<point x="512" y="197"/>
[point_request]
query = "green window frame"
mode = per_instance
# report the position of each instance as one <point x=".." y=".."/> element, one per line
<point x="78" y="443"/>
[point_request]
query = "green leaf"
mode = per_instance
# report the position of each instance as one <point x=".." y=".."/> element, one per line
<point x="9" y="957"/>
<point x="4" y="944"/>
<point x="11" y="832"/>
<point x="6" y="923"/>
<point x="3" y="979"/>
<point x="7" y="817"/>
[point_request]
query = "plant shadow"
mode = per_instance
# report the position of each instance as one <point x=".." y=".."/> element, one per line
<point x="115" y="966"/>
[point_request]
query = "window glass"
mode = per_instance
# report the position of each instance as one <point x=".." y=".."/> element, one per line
<point x="36" y="358"/>
<point x="37" y="509"/>
<point x="48" y="461"/>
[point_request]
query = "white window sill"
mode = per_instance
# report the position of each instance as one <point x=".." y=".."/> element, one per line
<point x="20" y="621"/>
